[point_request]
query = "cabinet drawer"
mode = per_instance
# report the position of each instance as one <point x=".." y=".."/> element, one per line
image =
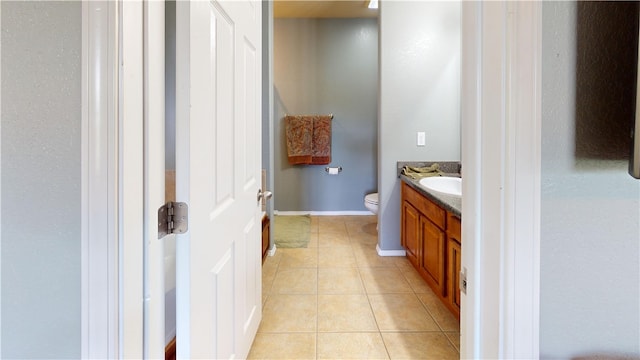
<point x="432" y="211"/>
<point x="454" y="227"/>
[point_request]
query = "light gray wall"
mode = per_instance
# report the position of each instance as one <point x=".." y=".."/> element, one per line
<point x="267" y="102"/>
<point x="170" y="164"/>
<point x="170" y="85"/>
<point x="40" y="178"/>
<point x="590" y="211"/>
<point x="267" y="32"/>
<point x="420" y="91"/>
<point x="326" y="66"/>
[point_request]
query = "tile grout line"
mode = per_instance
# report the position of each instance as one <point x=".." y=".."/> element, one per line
<point x="379" y="332"/>
<point x="441" y="331"/>
<point x="424" y="306"/>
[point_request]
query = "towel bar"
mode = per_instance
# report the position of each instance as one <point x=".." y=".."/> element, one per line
<point x="330" y="115"/>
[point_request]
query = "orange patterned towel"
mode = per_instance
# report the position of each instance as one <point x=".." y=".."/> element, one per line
<point x="299" y="132"/>
<point x="321" y="142"/>
<point x="308" y="139"/>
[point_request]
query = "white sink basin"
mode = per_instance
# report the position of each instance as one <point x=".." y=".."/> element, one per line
<point x="447" y="185"/>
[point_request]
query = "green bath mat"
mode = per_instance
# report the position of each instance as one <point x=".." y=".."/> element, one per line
<point x="291" y="231"/>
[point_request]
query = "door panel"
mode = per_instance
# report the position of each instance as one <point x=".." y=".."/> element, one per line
<point x="223" y="132"/>
<point x="454" y="265"/>
<point x="217" y="173"/>
<point x="411" y="228"/>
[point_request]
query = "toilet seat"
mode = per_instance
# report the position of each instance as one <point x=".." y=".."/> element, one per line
<point x="371" y="199"/>
<point x="371" y="203"/>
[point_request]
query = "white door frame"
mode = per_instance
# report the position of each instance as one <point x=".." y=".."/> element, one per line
<point x="134" y="315"/>
<point x="131" y="180"/>
<point x="501" y="123"/>
<point x="501" y="150"/>
<point x="99" y="209"/>
<point x="112" y="179"/>
<point x="154" y="177"/>
<point x="141" y="178"/>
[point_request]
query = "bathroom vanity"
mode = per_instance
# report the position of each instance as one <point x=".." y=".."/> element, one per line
<point x="430" y="234"/>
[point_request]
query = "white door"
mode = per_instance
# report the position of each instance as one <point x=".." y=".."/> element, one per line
<point x="218" y="145"/>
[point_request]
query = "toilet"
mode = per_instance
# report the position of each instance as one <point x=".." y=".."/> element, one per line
<point x="371" y="202"/>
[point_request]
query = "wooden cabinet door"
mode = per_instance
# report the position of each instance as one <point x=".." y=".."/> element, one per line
<point x="410" y="232"/>
<point x="432" y="254"/>
<point x="454" y="261"/>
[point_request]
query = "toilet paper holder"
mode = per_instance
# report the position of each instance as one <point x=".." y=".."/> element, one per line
<point x="329" y="169"/>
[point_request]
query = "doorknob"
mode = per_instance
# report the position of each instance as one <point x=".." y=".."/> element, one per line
<point x="264" y="195"/>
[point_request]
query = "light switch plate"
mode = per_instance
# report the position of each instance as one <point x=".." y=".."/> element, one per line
<point x="421" y="139"/>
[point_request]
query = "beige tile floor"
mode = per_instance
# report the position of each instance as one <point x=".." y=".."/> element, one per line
<point x="337" y="299"/>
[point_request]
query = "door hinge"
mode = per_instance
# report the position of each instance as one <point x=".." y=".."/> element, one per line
<point x="463" y="280"/>
<point x="173" y="218"/>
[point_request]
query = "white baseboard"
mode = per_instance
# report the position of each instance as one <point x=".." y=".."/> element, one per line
<point x="390" y="252"/>
<point x="324" y="213"/>
<point x="272" y="251"/>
